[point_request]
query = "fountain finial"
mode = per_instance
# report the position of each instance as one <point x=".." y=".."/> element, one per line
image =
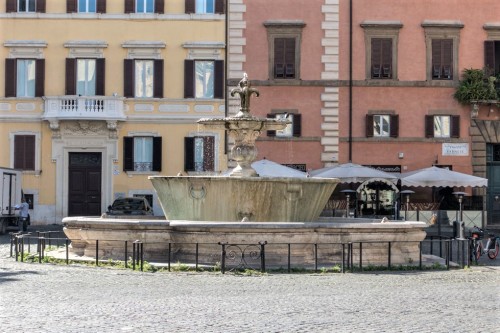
<point x="245" y="91"/>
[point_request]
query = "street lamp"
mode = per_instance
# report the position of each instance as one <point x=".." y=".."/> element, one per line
<point x="407" y="193"/>
<point x="460" y="196"/>
<point x="348" y="195"/>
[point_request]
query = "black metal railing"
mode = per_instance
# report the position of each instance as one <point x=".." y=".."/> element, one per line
<point x="236" y="257"/>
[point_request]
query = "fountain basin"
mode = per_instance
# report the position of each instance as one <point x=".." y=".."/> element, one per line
<point x="253" y="199"/>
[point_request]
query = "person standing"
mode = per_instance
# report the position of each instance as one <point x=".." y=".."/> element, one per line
<point x="24" y="214"/>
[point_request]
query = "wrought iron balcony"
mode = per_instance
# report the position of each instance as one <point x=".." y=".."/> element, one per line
<point x="108" y="108"/>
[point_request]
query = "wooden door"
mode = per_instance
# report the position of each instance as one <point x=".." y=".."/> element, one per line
<point x="493" y="192"/>
<point x="84" y="184"/>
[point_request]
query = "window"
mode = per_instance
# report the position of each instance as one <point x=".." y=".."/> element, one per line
<point x="30" y="199"/>
<point x="24" y="152"/>
<point x="442" y="59"/>
<point x="144" y="6"/>
<point x="143" y="78"/>
<point x="142" y="153"/>
<point x="492" y="56"/>
<point x="85" y="77"/>
<point x="25" y="6"/>
<point x="442" y="43"/>
<point x="381" y="58"/>
<point x="24" y="77"/>
<point x="293" y="129"/>
<point x="87" y="6"/>
<point x="382" y="125"/>
<point x="284" y="49"/>
<point x="442" y="126"/>
<point x="204" y="6"/>
<point x="381" y="48"/>
<point x="199" y="153"/>
<point x="203" y="79"/>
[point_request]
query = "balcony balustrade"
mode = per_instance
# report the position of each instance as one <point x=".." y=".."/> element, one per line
<point x="108" y="108"/>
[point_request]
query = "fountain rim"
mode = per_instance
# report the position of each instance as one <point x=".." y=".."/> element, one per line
<point x="252" y="179"/>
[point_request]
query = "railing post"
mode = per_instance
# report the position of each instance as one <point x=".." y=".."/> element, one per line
<point x="142" y="256"/>
<point x="420" y="255"/>
<point x="22" y="248"/>
<point x="67" y="251"/>
<point x="263" y="256"/>
<point x="196" y="259"/>
<point x="97" y="252"/>
<point x="289" y="257"/>
<point x="389" y="257"/>
<point x="223" y="258"/>
<point x="169" y="254"/>
<point x="126" y="254"/>
<point x="315" y="257"/>
<point x="133" y="256"/>
<point x="447" y="249"/>
<point x="360" y="256"/>
<point x="17" y="248"/>
<point x="343" y="258"/>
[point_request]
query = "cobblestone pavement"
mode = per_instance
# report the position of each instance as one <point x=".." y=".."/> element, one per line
<point x="58" y="298"/>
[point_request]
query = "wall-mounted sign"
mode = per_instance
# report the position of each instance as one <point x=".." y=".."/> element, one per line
<point x="455" y="149"/>
<point x="386" y="168"/>
<point x="300" y="167"/>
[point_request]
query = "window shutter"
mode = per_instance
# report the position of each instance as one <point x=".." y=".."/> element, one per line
<point x="447" y="60"/>
<point x="100" y="77"/>
<point x="129" y="6"/>
<point x="376" y="53"/>
<point x="39" y="77"/>
<point x="11" y="6"/>
<point x="219" y="79"/>
<point x="271" y="133"/>
<point x="190" y="6"/>
<point x="436" y="59"/>
<point x="208" y="153"/>
<point x="129" y="78"/>
<point x="455" y="126"/>
<point x="369" y="125"/>
<point x="188" y="78"/>
<point x="297" y="125"/>
<point x="489" y="56"/>
<point x="158" y="79"/>
<point x="394" y="131"/>
<point x="279" y="57"/>
<point x="19" y="152"/>
<point x="101" y="6"/>
<point x="71" y="6"/>
<point x="157" y="153"/>
<point x="10" y="77"/>
<point x="24" y="152"/>
<point x="40" y="6"/>
<point x="159" y="6"/>
<point x="386" y="46"/>
<point x="128" y="153"/>
<point x="70" y="76"/>
<point x="188" y="154"/>
<point x="429" y="126"/>
<point x="220" y="6"/>
<point x="290" y="57"/>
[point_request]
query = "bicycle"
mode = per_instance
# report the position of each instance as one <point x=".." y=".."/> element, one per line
<point x="476" y="247"/>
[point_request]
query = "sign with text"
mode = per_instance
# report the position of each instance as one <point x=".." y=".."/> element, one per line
<point x="386" y="168"/>
<point x="455" y="149"/>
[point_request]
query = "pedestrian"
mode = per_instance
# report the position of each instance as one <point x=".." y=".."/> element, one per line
<point x="24" y="214"/>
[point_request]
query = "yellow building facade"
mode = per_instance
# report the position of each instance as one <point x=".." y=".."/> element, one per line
<point x="99" y="95"/>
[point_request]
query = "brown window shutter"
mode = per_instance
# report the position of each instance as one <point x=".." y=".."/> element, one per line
<point x="386" y="58"/>
<point x="455" y="127"/>
<point x="436" y="59"/>
<point x="101" y="6"/>
<point x="157" y="153"/>
<point x="447" y="61"/>
<point x="220" y="6"/>
<point x="369" y="126"/>
<point x="24" y="152"/>
<point x="297" y="125"/>
<point x="188" y="154"/>
<point x="394" y="130"/>
<point x="29" y="152"/>
<point x="40" y="6"/>
<point x="279" y="58"/>
<point x="188" y="78"/>
<point x="11" y="6"/>
<point x="158" y="79"/>
<point x="39" y="77"/>
<point x="290" y="58"/>
<point x="208" y="153"/>
<point x="71" y="6"/>
<point x="271" y="133"/>
<point x="129" y="78"/>
<point x="10" y="77"/>
<point x="100" y="77"/>
<point x="128" y="153"/>
<point x="219" y="79"/>
<point x="129" y="6"/>
<point x="189" y="6"/>
<point x="159" y="6"/>
<point x="429" y="126"/>
<point x="489" y="56"/>
<point x="70" y="76"/>
<point x="376" y="54"/>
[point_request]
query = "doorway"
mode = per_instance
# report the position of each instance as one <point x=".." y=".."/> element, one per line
<point x="493" y="192"/>
<point x="84" y="184"/>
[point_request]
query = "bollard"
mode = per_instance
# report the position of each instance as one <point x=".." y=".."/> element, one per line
<point x="360" y="256"/>
<point x="126" y="254"/>
<point x="316" y="257"/>
<point x="263" y="256"/>
<point x="142" y="256"/>
<point x="97" y="252"/>
<point x="223" y="258"/>
<point x="389" y="257"/>
<point x="196" y="259"/>
<point x="343" y="258"/>
<point x="289" y="257"/>
<point x="67" y="251"/>
<point x="169" y="255"/>
<point x="420" y="255"/>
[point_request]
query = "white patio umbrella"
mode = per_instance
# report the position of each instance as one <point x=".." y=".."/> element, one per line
<point x="267" y="168"/>
<point x="352" y="173"/>
<point x="441" y="177"/>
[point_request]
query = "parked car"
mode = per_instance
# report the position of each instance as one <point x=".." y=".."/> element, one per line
<point x="130" y="206"/>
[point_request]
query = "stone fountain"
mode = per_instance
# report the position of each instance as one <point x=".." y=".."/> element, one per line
<point x="243" y="208"/>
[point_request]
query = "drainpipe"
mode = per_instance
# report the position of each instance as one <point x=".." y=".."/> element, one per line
<point x="226" y="65"/>
<point x="350" y="81"/>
